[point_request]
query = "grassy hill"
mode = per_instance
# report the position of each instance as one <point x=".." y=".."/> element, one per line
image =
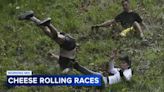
<point x="23" y="46"/>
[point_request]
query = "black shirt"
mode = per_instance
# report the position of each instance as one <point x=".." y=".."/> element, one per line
<point x="69" y="43"/>
<point x="128" y="18"/>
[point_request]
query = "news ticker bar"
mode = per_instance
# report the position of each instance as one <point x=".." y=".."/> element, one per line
<point x="54" y="80"/>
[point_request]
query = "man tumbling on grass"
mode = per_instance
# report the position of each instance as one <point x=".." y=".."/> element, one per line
<point x="116" y="75"/>
<point x="66" y="42"/>
<point x="130" y="21"/>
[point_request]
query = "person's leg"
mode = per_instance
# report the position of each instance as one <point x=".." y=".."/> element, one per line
<point x="84" y="70"/>
<point x="47" y="23"/>
<point x="138" y="28"/>
<point x="65" y="64"/>
<point x="26" y="15"/>
<point x="45" y="29"/>
<point x="126" y="31"/>
<point x="35" y="20"/>
<point x="29" y="15"/>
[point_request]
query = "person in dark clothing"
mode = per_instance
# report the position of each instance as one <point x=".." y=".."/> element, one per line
<point x="66" y="42"/>
<point x="130" y="21"/>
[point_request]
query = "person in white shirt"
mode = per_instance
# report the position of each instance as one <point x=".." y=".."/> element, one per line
<point x="124" y="71"/>
<point x="118" y="74"/>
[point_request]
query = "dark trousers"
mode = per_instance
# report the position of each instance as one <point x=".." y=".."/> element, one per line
<point x="65" y="62"/>
<point x="84" y="70"/>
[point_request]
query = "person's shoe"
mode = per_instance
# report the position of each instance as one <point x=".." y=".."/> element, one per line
<point x="45" y="22"/>
<point x="26" y="16"/>
<point x="66" y="70"/>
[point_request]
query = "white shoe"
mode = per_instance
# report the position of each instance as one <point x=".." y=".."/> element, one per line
<point x="66" y="70"/>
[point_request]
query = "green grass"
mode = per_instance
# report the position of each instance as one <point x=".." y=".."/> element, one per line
<point x="24" y="45"/>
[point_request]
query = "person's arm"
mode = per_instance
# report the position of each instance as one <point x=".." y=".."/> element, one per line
<point x="143" y="25"/>
<point x="114" y="78"/>
<point x="140" y="21"/>
<point x="111" y="62"/>
<point x="128" y="74"/>
<point x="105" y="24"/>
<point x="112" y="70"/>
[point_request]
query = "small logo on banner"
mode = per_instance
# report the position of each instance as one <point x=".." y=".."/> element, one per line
<point x="56" y="80"/>
<point x="18" y="72"/>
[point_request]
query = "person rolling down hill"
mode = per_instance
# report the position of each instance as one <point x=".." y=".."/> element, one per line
<point x="66" y="42"/>
<point x="130" y="21"/>
<point x="116" y="74"/>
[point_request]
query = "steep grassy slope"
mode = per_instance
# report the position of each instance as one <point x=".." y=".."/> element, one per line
<point x="23" y="46"/>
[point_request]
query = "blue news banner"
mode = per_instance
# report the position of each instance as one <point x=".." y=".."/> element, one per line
<point x="56" y="80"/>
